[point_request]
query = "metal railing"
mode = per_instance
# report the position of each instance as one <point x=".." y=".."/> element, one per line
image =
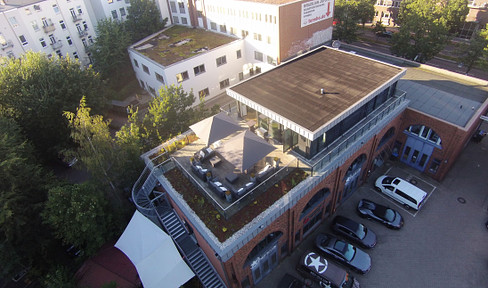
<point x="357" y="132"/>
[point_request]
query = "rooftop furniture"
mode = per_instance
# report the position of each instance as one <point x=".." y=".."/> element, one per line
<point x="204" y="154"/>
<point x="199" y="170"/>
<point x="231" y="177"/>
<point x="217" y="186"/>
<point x="265" y="172"/>
<point x="215" y="160"/>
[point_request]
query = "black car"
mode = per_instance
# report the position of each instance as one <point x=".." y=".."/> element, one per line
<point x="371" y="210"/>
<point x="344" y="252"/>
<point x="386" y="34"/>
<point x="354" y="231"/>
<point x="289" y="281"/>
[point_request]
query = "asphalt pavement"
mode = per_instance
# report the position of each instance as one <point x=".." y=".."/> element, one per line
<point x="444" y="245"/>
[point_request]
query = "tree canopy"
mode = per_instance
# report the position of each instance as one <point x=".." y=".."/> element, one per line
<point x="79" y="215"/>
<point x="23" y="187"/>
<point x="144" y="19"/>
<point x="35" y="91"/>
<point x="424" y="27"/>
<point x="109" y="51"/>
<point x="348" y="13"/>
<point x="476" y="52"/>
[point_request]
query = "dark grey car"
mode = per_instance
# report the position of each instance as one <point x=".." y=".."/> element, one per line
<point x="354" y="231"/>
<point x="344" y="252"/>
<point x="371" y="210"/>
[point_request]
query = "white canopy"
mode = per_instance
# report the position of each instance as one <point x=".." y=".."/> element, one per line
<point x="154" y="254"/>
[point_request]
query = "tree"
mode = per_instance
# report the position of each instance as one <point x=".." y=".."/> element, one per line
<point x="35" y="91"/>
<point x="347" y="18"/>
<point x="144" y="19"/>
<point x="424" y="28"/>
<point x="364" y="10"/>
<point x="455" y="12"/>
<point x="110" y="49"/>
<point x="24" y="240"/>
<point x="476" y="52"/>
<point x="80" y="215"/>
<point x="112" y="162"/>
<point x="169" y="114"/>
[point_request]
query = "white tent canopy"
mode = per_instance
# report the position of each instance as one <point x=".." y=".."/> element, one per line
<point x="154" y="254"/>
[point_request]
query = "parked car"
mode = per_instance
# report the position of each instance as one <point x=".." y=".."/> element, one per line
<point x="289" y="281"/>
<point x="386" y="34"/>
<point x="344" y="252"/>
<point x="326" y="273"/>
<point x="371" y="210"/>
<point x="401" y="190"/>
<point x="354" y="231"/>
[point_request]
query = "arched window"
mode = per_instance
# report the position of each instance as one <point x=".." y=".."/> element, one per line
<point x="386" y="137"/>
<point x="314" y="201"/>
<point x="267" y="242"/>
<point x="425" y="133"/>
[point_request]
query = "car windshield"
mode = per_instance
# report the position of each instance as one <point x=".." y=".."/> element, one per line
<point x="361" y="231"/>
<point x="345" y="249"/>
<point x="385" y="213"/>
<point x="387" y="180"/>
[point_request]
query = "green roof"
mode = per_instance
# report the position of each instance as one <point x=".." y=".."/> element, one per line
<point x="178" y="43"/>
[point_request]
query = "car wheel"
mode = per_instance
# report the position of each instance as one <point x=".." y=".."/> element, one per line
<point x="406" y="206"/>
<point x="377" y="188"/>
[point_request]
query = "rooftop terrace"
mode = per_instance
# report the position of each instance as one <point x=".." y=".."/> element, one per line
<point x="178" y="43"/>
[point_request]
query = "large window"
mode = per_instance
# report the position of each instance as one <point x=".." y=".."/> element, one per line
<point x="180" y="77"/>
<point x="388" y="135"/>
<point x="145" y="69"/>
<point x="425" y="133"/>
<point x="221" y="60"/>
<point x="159" y="77"/>
<point x="258" y="56"/>
<point x="199" y="69"/>
<point x="269" y="240"/>
<point x="315" y="201"/>
<point x="203" y="93"/>
<point x="224" y="83"/>
<point x="23" y="40"/>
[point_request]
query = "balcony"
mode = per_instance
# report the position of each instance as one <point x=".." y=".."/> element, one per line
<point x="82" y="33"/>
<point x="56" y="45"/>
<point x="76" y="18"/>
<point x="48" y="28"/>
<point x="7" y="45"/>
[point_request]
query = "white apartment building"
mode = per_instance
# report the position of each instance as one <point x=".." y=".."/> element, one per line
<point x="270" y="31"/>
<point x="104" y="9"/>
<point x="54" y="27"/>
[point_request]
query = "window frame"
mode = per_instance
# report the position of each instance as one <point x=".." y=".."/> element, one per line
<point x="197" y="70"/>
<point x="224" y="83"/>
<point x="222" y="60"/>
<point x="182" y="76"/>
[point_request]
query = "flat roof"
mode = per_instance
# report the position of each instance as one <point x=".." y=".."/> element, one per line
<point x="439" y="103"/>
<point x="178" y="43"/>
<point x="293" y="89"/>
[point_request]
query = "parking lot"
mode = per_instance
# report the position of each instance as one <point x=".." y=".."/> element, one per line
<point x="444" y="244"/>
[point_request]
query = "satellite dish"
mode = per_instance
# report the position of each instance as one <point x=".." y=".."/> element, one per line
<point x="336" y="44"/>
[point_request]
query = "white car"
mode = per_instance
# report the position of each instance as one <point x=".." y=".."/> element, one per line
<point x="401" y="190"/>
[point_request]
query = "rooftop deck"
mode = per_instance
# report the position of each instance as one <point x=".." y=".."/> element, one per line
<point x="178" y="43"/>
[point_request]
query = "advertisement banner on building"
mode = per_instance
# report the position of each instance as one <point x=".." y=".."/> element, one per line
<point x="316" y="10"/>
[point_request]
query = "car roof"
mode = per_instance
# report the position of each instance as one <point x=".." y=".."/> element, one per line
<point x="413" y="190"/>
<point x="346" y="222"/>
<point x="332" y="272"/>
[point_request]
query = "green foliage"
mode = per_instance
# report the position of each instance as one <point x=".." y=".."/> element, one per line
<point x="110" y="49"/>
<point x="169" y="114"/>
<point x="79" y="214"/>
<point x="60" y="276"/>
<point x="110" y="161"/>
<point x="111" y="284"/>
<point x="348" y="14"/>
<point x="143" y="19"/>
<point x="455" y="12"/>
<point x="23" y="187"/>
<point x="35" y="90"/>
<point x="378" y="27"/>
<point x="476" y="52"/>
<point x="424" y="27"/>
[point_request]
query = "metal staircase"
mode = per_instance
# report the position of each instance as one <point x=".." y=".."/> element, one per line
<point x="196" y="259"/>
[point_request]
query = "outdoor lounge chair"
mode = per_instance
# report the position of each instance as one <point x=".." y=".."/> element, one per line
<point x="200" y="171"/>
<point x="265" y="172"/>
<point x="217" y="186"/>
<point x="204" y="154"/>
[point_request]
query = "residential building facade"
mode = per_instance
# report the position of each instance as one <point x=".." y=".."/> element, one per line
<point x="57" y="28"/>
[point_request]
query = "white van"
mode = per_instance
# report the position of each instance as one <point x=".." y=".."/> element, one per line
<point x="401" y="190"/>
